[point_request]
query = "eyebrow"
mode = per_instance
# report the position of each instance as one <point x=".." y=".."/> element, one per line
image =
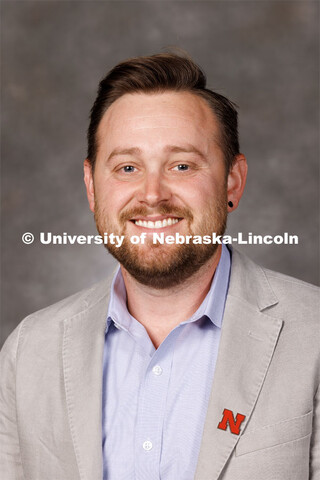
<point x="168" y="149"/>
<point x="124" y="151"/>
<point x="185" y="149"/>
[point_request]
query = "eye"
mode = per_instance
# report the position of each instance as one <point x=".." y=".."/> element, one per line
<point x="182" y="167"/>
<point x="128" y="169"/>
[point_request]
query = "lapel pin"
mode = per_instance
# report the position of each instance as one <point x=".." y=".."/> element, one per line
<point x="228" y="419"/>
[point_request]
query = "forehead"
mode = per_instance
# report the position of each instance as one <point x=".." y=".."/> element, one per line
<point x="169" y="115"/>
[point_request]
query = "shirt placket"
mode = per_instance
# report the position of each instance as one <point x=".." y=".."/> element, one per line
<point x="151" y="411"/>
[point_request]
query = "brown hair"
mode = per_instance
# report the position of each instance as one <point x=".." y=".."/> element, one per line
<point x="156" y="74"/>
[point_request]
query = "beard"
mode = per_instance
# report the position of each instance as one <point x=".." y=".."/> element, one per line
<point x="161" y="265"/>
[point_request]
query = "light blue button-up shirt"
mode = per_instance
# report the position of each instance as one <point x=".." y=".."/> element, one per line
<point x="155" y="400"/>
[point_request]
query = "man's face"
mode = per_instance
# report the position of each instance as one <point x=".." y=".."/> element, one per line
<point x="159" y="168"/>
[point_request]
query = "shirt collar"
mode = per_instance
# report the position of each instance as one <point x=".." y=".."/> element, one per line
<point x="211" y="307"/>
<point x="117" y="310"/>
<point x="214" y="302"/>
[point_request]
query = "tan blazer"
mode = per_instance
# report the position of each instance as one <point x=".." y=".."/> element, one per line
<point x="267" y="370"/>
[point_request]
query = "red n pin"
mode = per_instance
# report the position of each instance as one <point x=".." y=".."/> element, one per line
<point x="228" y="419"/>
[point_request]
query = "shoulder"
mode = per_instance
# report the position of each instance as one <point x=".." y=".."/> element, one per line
<point x="74" y="304"/>
<point x="298" y="302"/>
<point x="48" y="322"/>
<point x="297" y="289"/>
<point x="298" y="306"/>
<point x="266" y="288"/>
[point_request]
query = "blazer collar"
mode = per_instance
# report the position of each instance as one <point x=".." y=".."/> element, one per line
<point x="83" y="344"/>
<point x="248" y="339"/>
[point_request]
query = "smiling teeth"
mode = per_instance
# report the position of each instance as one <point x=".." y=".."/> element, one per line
<point x="157" y="224"/>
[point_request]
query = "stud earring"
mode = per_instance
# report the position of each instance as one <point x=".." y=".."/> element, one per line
<point x="230" y="204"/>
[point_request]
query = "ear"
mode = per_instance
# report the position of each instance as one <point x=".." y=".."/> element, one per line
<point x="88" y="180"/>
<point x="237" y="180"/>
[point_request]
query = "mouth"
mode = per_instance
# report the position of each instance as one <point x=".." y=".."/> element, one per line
<point x="156" y="223"/>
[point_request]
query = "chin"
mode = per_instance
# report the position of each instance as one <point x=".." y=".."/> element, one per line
<point x="161" y="267"/>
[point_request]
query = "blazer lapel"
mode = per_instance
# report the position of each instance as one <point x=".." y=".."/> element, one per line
<point x="82" y="364"/>
<point x="247" y="343"/>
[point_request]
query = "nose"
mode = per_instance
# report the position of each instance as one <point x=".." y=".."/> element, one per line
<point x="154" y="190"/>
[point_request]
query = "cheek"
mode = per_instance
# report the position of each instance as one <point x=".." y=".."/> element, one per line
<point x="112" y="195"/>
<point x="198" y="193"/>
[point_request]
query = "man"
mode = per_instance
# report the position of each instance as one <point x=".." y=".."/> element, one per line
<point x="194" y="362"/>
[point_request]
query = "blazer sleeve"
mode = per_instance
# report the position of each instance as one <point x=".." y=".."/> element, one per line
<point x="10" y="459"/>
<point x="315" y="440"/>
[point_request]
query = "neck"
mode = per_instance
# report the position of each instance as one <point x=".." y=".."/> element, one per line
<point x="160" y="311"/>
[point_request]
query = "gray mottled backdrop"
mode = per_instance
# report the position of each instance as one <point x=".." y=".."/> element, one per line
<point x="261" y="54"/>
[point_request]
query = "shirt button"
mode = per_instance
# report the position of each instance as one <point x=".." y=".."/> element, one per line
<point x="147" y="445"/>
<point x="157" y="370"/>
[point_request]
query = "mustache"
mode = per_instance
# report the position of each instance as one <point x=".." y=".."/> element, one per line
<point x="164" y="209"/>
